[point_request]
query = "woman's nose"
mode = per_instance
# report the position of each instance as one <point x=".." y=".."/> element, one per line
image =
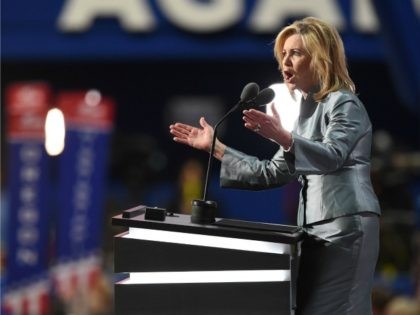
<point x="286" y="60"/>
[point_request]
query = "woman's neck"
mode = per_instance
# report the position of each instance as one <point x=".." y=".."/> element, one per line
<point x="310" y="91"/>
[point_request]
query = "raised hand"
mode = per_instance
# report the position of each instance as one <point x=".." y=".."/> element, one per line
<point x="199" y="138"/>
<point x="269" y="127"/>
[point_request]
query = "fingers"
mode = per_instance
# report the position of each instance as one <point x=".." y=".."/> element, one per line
<point x="251" y="124"/>
<point x="181" y="140"/>
<point x="250" y="120"/>
<point x="254" y="114"/>
<point x="275" y="112"/>
<point x="178" y="133"/>
<point x="183" y="128"/>
<point x="203" y="122"/>
<point x="255" y="117"/>
<point x="181" y="133"/>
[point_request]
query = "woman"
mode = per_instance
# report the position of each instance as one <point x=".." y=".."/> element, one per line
<point x="329" y="153"/>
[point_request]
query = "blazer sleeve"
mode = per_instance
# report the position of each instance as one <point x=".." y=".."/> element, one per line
<point x="347" y="122"/>
<point x="242" y="171"/>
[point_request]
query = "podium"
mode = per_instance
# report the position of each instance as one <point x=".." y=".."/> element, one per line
<point x="230" y="267"/>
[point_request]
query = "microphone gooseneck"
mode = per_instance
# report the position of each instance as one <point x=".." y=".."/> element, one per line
<point x="203" y="211"/>
<point x="249" y="92"/>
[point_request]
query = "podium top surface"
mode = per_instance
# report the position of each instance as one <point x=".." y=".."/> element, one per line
<point x="222" y="227"/>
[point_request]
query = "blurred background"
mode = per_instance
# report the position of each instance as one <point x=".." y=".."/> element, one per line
<point x="120" y="72"/>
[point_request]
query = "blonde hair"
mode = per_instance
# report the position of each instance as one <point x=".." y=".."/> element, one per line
<point x="325" y="47"/>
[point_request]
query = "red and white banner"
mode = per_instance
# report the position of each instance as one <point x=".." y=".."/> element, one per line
<point x="33" y="299"/>
<point x="26" y="286"/>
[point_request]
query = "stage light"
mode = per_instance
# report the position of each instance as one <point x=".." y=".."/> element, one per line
<point x="93" y="97"/>
<point x="54" y="132"/>
<point x="287" y="104"/>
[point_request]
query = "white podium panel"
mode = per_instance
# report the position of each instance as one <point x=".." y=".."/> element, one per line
<point x="229" y="267"/>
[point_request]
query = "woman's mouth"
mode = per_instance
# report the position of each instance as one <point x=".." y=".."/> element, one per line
<point x="287" y="75"/>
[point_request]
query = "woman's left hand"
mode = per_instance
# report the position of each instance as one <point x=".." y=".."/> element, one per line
<point x="269" y="127"/>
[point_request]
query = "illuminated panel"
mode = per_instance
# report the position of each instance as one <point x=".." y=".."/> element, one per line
<point x="207" y="240"/>
<point x="226" y="276"/>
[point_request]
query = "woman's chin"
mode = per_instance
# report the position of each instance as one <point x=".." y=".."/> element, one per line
<point x="290" y="85"/>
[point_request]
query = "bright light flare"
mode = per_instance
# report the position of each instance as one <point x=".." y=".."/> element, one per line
<point x="55" y="132"/>
<point x="286" y="103"/>
<point x="93" y="97"/>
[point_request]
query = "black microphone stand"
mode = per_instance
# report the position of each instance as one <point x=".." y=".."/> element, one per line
<point x="203" y="210"/>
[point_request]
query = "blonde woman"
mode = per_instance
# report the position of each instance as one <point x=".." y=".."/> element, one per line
<point x="328" y="151"/>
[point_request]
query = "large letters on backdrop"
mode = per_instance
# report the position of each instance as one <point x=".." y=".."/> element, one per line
<point x="267" y="16"/>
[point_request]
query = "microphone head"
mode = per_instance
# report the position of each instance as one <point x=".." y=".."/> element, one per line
<point x="249" y="92"/>
<point x="263" y="98"/>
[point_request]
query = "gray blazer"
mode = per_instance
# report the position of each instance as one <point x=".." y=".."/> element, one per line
<point x="330" y="157"/>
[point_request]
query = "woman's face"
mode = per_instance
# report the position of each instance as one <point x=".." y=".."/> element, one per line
<point x="296" y="71"/>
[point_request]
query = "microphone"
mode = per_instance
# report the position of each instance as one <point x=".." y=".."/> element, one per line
<point x="203" y="210"/>
<point x="262" y="99"/>
<point x="250" y="91"/>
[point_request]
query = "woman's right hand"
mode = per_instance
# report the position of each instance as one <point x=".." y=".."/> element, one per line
<point x="199" y="138"/>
